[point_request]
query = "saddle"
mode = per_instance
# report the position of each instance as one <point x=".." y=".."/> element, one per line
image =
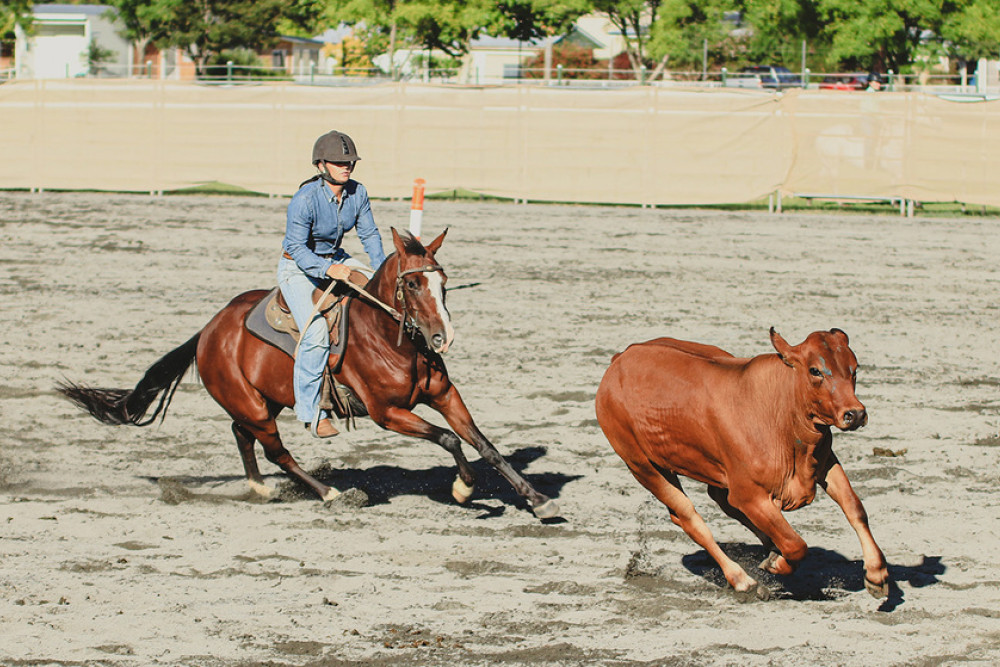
<point x="271" y="321"/>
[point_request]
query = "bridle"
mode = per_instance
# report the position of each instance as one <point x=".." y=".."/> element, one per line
<point x="401" y="296"/>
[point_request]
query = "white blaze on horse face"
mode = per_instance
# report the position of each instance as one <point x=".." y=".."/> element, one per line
<point x="436" y="287"/>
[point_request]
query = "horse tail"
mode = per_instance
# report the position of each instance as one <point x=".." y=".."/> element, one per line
<point x="121" y="406"/>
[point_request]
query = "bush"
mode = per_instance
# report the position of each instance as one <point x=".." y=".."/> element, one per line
<point x="577" y="63"/>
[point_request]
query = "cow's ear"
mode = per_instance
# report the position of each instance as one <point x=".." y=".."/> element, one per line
<point x="783" y="348"/>
<point x="841" y="332"/>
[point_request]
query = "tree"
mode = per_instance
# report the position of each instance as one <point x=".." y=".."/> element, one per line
<point x="451" y="25"/>
<point x="682" y="29"/>
<point x="95" y="57"/>
<point x="878" y="34"/>
<point x="13" y="13"/>
<point x="632" y="18"/>
<point x="973" y="29"/>
<point x="142" y="21"/>
<point x="778" y="28"/>
<point x="204" y="28"/>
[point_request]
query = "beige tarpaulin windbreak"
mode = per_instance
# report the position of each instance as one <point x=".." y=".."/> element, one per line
<point x="640" y="145"/>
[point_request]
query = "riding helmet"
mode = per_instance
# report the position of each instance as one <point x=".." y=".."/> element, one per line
<point x="335" y="146"/>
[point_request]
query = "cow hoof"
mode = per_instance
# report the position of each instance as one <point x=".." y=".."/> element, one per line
<point x="754" y="593"/>
<point x="546" y="510"/>
<point x="768" y="563"/>
<point x="461" y="491"/>
<point x="877" y="591"/>
<point x="330" y="495"/>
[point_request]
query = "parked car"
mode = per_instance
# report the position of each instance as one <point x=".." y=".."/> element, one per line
<point x="857" y="81"/>
<point x="765" y="76"/>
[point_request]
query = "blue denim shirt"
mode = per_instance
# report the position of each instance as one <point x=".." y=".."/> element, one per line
<point x="316" y="226"/>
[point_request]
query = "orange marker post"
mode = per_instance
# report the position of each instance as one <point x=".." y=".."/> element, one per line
<point x="417" y="208"/>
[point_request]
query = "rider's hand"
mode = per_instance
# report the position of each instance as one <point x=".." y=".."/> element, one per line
<point x="338" y="272"/>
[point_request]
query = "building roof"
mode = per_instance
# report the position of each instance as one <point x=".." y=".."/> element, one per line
<point x="301" y="40"/>
<point x="91" y="10"/>
<point x="574" y="36"/>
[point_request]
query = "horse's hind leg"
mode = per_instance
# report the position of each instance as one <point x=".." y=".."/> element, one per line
<point x="255" y="417"/>
<point x="245" y="442"/>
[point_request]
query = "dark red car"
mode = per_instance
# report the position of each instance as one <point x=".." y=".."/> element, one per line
<point x="844" y="82"/>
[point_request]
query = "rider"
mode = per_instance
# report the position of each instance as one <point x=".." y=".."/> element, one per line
<point x="324" y="208"/>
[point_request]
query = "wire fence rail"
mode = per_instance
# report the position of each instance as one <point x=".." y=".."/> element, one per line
<point x="593" y="78"/>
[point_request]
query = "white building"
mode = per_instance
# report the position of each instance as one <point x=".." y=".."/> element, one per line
<point x="63" y="34"/>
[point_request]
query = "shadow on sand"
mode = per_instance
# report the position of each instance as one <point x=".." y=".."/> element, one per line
<point x="381" y="483"/>
<point x="822" y="575"/>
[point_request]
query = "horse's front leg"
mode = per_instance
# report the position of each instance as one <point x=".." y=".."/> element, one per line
<point x="451" y="405"/>
<point x="403" y="421"/>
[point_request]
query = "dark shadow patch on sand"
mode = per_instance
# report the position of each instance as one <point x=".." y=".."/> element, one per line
<point x="822" y="575"/>
<point x="384" y="482"/>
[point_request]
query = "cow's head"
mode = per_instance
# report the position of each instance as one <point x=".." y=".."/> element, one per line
<point x="826" y="371"/>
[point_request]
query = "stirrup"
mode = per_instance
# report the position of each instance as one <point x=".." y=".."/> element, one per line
<point x="314" y="428"/>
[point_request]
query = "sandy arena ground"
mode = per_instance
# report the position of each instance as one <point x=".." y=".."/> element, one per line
<point x="129" y="546"/>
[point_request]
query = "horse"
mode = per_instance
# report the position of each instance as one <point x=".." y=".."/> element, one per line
<point x="388" y="372"/>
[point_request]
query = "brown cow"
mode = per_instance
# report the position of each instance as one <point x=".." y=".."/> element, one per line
<point x="757" y="431"/>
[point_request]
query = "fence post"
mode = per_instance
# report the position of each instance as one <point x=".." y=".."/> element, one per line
<point x="312" y="72"/>
<point x="559" y="69"/>
<point x="805" y="78"/>
<point x="642" y="74"/>
<point x="417" y="207"/>
<point x="892" y="80"/>
<point x="149" y="69"/>
<point x="722" y="76"/>
<point x="229" y="70"/>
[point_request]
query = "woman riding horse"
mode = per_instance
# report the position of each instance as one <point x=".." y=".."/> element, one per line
<point x="325" y="207"/>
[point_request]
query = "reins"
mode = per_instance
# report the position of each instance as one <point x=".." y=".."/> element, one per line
<point x="395" y="314"/>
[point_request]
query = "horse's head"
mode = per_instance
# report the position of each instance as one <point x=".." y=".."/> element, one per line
<point x="420" y="291"/>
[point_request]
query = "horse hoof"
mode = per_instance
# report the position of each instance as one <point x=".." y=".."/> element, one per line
<point x="546" y="510"/>
<point x="461" y="491"/>
<point x="877" y="591"/>
<point x="262" y="490"/>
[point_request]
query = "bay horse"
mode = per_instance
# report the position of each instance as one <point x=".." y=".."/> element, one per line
<point x="388" y="372"/>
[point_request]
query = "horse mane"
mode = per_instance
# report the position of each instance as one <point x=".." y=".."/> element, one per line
<point x="411" y="244"/>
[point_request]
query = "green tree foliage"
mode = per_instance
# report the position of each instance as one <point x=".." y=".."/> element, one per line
<point x="778" y="29"/>
<point x="684" y="26"/>
<point x="95" y="57"/>
<point x="12" y="13"/>
<point x="632" y="19"/>
<point x="205" y="28"/>
<point x="878" y="34"/>
<point x="973" y="28"/>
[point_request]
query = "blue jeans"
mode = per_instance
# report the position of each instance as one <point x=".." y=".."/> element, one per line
<point x="314" y="350"/>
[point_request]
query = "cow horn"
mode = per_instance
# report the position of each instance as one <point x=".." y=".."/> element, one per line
<point x="842" y="333"/>
<point x="781" y="346"/>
